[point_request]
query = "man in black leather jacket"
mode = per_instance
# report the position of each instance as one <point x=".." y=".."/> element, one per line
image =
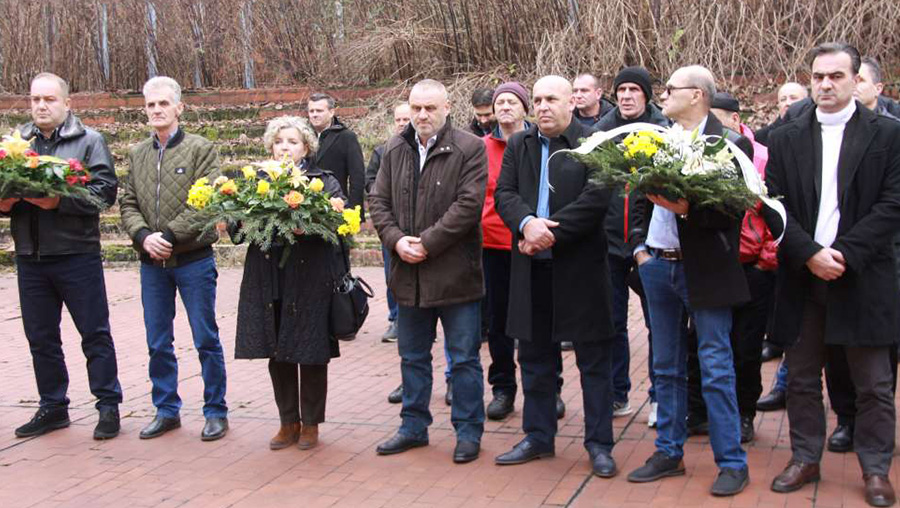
<point x="57" y="242"/>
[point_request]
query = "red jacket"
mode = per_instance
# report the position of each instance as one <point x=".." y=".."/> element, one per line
<point x="757" y="243"/>
<point x="496" y="234"/>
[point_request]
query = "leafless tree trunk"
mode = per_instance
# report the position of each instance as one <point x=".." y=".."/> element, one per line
<point x="247" y="37"/>
<point x="198" y="11"/>
<point x="339" y="15"/>
<point x="101" y="41"/>
<point x="573" y="12"/>
<point x="151" y="49"/>
<point x="50" y="28"/>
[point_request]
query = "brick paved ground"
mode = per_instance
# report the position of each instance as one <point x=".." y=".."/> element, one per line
<point x="68" y="468"/>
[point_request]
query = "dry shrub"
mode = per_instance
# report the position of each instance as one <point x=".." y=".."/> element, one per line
<point x="389" y="41"/>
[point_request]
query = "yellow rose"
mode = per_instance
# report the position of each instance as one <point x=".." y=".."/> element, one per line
<point x="262" y="188"/>
<point x="293" y="199"/>
<point x="229" y="187"/>
<point x="249" y="172"/>
<point x="219" y="181"/>
<point x="316" y="185"/>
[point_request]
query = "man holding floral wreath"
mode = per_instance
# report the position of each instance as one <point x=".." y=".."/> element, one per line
<point x="58" y="261"/>
<point x="176" y="255"/>
<point x="687" y="257"/>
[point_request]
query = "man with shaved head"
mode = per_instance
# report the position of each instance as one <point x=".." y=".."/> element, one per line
<point x="426" y="205"/>
<point x="687" y="256"/>
<point x="559" y="277"/>
<point x="789" y="94"/>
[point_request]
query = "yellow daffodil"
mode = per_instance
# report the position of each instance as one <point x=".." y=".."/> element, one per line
<point x="249" y="172"/>
<point x="262" y="188"/>
<point x="293" y="199"/>
<point x="15" y="145"/>
<point x="316" y="185"/>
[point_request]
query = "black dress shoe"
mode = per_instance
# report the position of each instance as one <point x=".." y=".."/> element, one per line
<point x="774" y="401"/>
<point x="448" y="397"/>
<point x="560" y="407"/>
<point x="523" y="452"/>
<point x="500" y="407"/>
<point x="108" y="425"/>
<point x="602" y="463"/>
<point x="747" y="430"/>
<point x="659" y="465"/>
<point x="841" y="440"/>
<point x="399" y="444"/>
<point x="770" y="352"/>
<point x="159" y="426"/>
<point x="215" y="428"/>
<point x="730" y="482"/>
<point x="44" y="421"/>
<point x="466" y="451"/>
<point x="396" y="396"/>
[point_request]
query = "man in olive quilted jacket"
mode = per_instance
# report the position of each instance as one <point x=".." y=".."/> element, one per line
<point x="176" y="255"/>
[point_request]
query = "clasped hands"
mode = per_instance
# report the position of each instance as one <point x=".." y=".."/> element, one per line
<point x="157" y="246"/>
<point x="537" y="236"/>
<point x="411" y="250"/>
<point x="827" y="264"/>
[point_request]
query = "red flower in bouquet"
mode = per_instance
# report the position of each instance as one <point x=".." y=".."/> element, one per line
<point x="3" y="154"/>
<point x="75" y="165"/>
<point x="30" y="153"/>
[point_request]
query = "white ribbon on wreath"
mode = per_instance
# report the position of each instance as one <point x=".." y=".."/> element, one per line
<point x="748" y="170"/>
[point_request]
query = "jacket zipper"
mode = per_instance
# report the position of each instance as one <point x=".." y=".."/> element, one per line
<point x="159" y="158"/>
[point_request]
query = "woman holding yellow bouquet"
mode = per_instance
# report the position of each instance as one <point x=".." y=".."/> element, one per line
<point x="283" y="311"/>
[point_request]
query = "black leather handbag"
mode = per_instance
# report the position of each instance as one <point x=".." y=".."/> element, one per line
<point x="349" y="303"/>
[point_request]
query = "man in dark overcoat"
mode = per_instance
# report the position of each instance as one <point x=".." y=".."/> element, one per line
<point x="559" y="279"/>
<point x="837" y="167"/>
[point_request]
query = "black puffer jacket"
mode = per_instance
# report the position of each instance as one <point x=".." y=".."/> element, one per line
<point x="283" y="313"/>
<point x="616" y="219"/>
<point x="73" y="227"/>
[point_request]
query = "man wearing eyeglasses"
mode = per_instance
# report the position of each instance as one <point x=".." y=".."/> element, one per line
<point x="687" y="256"/>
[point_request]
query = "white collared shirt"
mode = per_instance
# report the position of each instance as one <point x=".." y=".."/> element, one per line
<point x="832" y="138"/>
<point x="423" y="150"/>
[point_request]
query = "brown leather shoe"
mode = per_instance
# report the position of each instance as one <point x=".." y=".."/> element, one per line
<point x="309" y="437"/>
<point x="879" y="491"/>
<point x="795" y="476"/>
<point x="287" y="435"/>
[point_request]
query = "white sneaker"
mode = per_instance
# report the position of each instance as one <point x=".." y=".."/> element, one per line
<point x="622" y="409"/>
<point x="651" y="419"/>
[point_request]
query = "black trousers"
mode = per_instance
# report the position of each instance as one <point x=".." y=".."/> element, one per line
<point x="299" y="398"/>
<point x="76" y="281"/>
<point x="502" y="372"/>
<point x="841" y="391"/>
<point x="748" y="330"/>
<point x="874" y="433"/>
<point x="538" y="359"/>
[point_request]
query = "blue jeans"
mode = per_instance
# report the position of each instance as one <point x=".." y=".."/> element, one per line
<point x="462" y="338"/>
<point x="667" y="296"/>
<point x="621" y="355"/>
<point x="392" y="303"/>
<point x="44" y="286"/>
<point x="197" y="284"/>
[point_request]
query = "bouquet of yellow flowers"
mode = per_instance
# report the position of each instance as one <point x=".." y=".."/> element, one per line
<point x="24" y="173"/>
<point x="270" y="201"/>
<point x="673" y="163"/>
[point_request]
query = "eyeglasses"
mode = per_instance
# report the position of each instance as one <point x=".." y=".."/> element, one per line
<point x="670" y="88"/>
